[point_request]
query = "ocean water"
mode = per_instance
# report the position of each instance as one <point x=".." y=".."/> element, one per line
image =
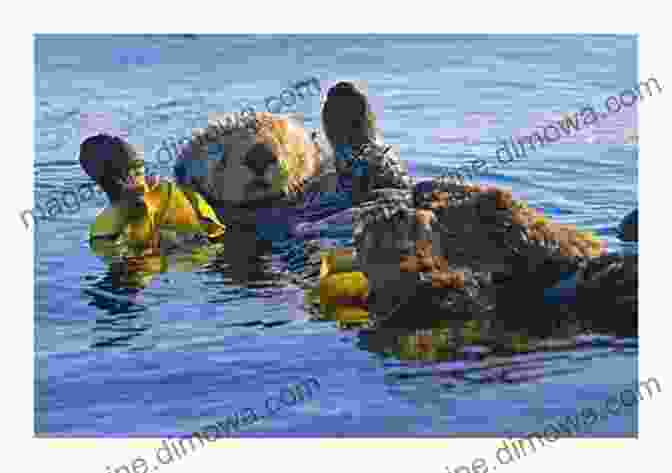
<point x="199" y="343"/>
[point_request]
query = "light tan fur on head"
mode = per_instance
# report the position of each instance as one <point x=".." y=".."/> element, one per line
<point x="219" y="166"/>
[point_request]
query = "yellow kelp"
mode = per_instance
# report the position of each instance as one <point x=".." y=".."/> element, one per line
<point x="343" y="292"/>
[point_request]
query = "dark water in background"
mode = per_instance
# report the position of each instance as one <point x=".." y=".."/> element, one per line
<point x="186" y="351"/>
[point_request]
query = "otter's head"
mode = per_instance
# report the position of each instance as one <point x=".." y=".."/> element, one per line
<point x="246" y="164"/>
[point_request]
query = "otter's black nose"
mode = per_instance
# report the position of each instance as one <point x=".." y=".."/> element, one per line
<point x="258" y="158"/>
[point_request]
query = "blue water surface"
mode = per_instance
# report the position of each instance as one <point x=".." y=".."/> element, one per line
<point x="196" y="345"/>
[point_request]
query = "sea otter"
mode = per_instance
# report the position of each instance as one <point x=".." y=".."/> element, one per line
<point x="447" y="249"/>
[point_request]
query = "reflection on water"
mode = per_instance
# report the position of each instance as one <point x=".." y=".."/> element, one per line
<point x="247" y="272"/>
<point x="464" y="354"/>
<point x="121" y="317"/>
<point x="470" y="340"/>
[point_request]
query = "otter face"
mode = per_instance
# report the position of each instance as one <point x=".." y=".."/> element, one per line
<point x="247" y="165"/>
<point x="246" y="168"/>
